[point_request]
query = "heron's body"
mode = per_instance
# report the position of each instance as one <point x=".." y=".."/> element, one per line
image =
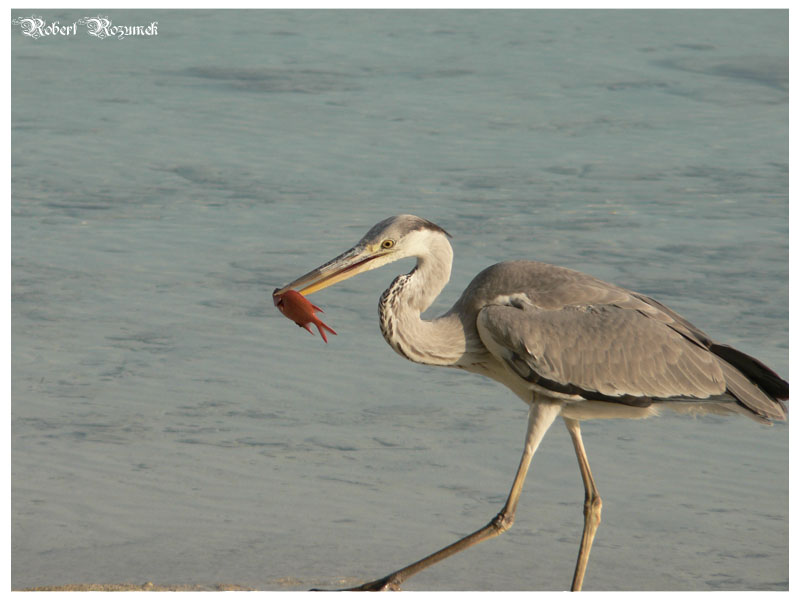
<point x="566" y="343"/>
<point x="605" y="351"/>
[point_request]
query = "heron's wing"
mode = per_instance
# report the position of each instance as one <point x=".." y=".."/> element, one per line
<point x="571" y="333"/>
<point x="600" y="352"/>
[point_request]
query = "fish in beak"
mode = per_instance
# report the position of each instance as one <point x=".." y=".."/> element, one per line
<point x="293" y="305"/>
<point x="291" y="300"/>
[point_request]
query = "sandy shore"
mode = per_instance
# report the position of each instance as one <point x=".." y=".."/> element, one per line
<point x="135" y="587"/>
<point x="289" y="583"/>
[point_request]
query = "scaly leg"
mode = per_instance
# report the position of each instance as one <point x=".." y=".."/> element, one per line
<point x="592" y="505"/>
<point x="541" y="416"/>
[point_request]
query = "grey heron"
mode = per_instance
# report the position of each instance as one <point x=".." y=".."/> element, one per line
<point x="566" y="343"/>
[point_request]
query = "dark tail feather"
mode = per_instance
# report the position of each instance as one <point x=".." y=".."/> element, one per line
<point x="756" y="371"/>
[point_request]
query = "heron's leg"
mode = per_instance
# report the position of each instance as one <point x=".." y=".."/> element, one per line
<point x="541" y="416"/>
<point x="592" y="505"/>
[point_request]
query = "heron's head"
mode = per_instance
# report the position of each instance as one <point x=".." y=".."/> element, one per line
<point x="392" y="239"/>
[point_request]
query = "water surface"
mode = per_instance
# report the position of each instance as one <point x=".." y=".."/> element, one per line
<point x="169" y="425"/>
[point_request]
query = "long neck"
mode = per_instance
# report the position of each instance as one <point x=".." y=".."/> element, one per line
<point x="437" y="342"/>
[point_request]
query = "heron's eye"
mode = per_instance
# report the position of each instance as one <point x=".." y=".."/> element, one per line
<point x="386" y="244"/>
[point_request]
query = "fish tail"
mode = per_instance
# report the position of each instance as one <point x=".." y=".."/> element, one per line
<point x="322" y="327"/>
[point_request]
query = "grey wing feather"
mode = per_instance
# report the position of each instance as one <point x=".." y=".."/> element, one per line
<point x="601" y="352"/>
<point x="574" y="334"/>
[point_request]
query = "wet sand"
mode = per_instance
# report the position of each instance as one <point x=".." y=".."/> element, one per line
<point x="288" y="583"/>
<point x="135" y="587"/>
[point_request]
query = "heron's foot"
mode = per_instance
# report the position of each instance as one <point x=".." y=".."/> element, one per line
<point x="390" y="583"/>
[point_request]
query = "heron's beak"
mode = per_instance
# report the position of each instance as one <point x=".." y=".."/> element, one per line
<point x="346" y="265"/>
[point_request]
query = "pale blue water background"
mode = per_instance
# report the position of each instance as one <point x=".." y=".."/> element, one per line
<point x="169" y="425"/>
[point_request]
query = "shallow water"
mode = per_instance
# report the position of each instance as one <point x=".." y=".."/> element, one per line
<point x="169" y="425"/>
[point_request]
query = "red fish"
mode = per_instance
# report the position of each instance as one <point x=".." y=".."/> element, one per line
<point x="296" y="307"/>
